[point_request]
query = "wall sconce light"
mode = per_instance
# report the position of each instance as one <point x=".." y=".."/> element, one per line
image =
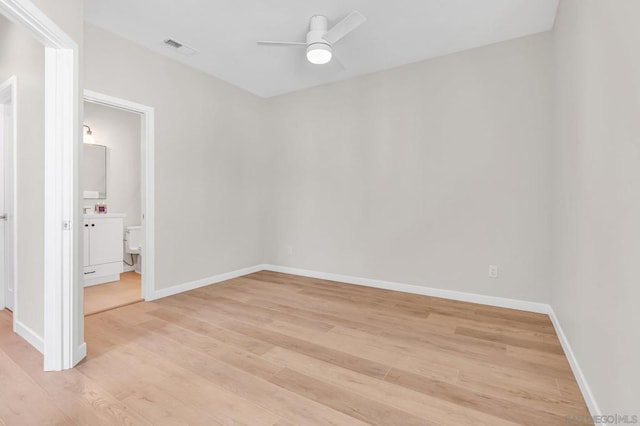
<point x="87" y="137"/>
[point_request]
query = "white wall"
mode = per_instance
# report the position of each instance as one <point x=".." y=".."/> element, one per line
<point x="210" y="158"/>
<point x="21" y="55"/>
<point x="120" y="132"/>
<point x="424" y="174"/>
<point x="596" y="286"/>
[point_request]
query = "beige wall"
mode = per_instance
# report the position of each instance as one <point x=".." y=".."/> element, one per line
<point x="596" y="286"/>
<point x="424" y="174"/>
<point x="21" y="55"/>
<point x="209" y="153"/>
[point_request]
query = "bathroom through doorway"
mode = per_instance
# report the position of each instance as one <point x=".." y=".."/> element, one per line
<point x="116" y="172"/>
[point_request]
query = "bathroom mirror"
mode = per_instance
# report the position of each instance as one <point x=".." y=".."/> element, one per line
<point x="94" y="171"/>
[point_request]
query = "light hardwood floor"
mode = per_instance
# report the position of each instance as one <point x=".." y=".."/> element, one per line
<point x="272" y="348"/>
<point x="99" y="298"/>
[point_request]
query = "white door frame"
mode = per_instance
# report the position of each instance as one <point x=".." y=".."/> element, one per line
<point x="63" y="340"/>
<point x="9" y="170"/>
<point x="147" y="180"/>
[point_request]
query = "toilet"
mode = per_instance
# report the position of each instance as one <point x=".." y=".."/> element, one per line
<point x="133" y="245"/>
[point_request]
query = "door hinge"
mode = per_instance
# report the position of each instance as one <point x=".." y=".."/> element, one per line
<point x="66" y="225"/>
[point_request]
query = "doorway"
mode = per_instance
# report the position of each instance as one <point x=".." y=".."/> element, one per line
<point x="135" y="277"/>
<point x="8" y="117"/>
<point x="110" y="175"/>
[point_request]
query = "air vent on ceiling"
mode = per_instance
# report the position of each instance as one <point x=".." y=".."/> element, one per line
<point x="180" y="47"/>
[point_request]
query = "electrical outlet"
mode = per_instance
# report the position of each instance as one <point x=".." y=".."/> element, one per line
<point x="289" y="250"/>
<point x="493" y="271"/>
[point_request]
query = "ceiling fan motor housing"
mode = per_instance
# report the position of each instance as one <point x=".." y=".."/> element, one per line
<point x="319" y="50"/>
<point x="317" y="29"/>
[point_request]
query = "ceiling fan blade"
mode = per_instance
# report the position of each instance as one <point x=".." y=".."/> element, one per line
<point x="344" y="27"/>
<point x="338" y="65"/>
<point x="281" y="43"/>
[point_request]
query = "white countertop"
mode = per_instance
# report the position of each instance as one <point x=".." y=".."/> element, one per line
<point x="103" y="215"/>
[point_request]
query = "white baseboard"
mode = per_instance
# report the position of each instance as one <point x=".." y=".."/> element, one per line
<point x="79" y="353"/>
<point x="29" y="335"/>
<point x="502" y="302"/>
<point x="192" y="285"/>
<point x="38" y="342"/>
<point x="594" y="409"/>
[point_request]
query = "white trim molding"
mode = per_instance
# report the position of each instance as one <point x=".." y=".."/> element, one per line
<point x="29" y="335"/>
<point x="59" y="209"/>
<point x="366" y="282"/>
<point x="27" y="15"/>
<point x="192" y="285"/>
<point x="588" y="396"/>
<point x="79" y="353"/>
<point x="61" y="287"/>
<point x="502" y="302"/>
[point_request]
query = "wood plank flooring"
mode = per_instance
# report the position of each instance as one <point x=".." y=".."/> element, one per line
<point x="277" y="349"/>
<point x="100" y="298"/>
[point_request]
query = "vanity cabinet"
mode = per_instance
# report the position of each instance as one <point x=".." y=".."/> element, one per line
<point x="102" y="248"/>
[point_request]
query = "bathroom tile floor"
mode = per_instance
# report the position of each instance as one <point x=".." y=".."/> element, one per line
<point x="99" y="298"/>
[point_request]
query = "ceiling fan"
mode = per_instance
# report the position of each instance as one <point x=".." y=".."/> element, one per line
<point x="320" y="40"/>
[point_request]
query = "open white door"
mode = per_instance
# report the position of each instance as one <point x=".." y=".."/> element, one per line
<point x="7" y="218"/>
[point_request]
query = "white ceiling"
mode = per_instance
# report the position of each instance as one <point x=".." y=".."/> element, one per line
<point x="396" y="33"/>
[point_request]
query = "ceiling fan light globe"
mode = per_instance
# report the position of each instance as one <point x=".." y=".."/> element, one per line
<point x="319" y="53"/>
